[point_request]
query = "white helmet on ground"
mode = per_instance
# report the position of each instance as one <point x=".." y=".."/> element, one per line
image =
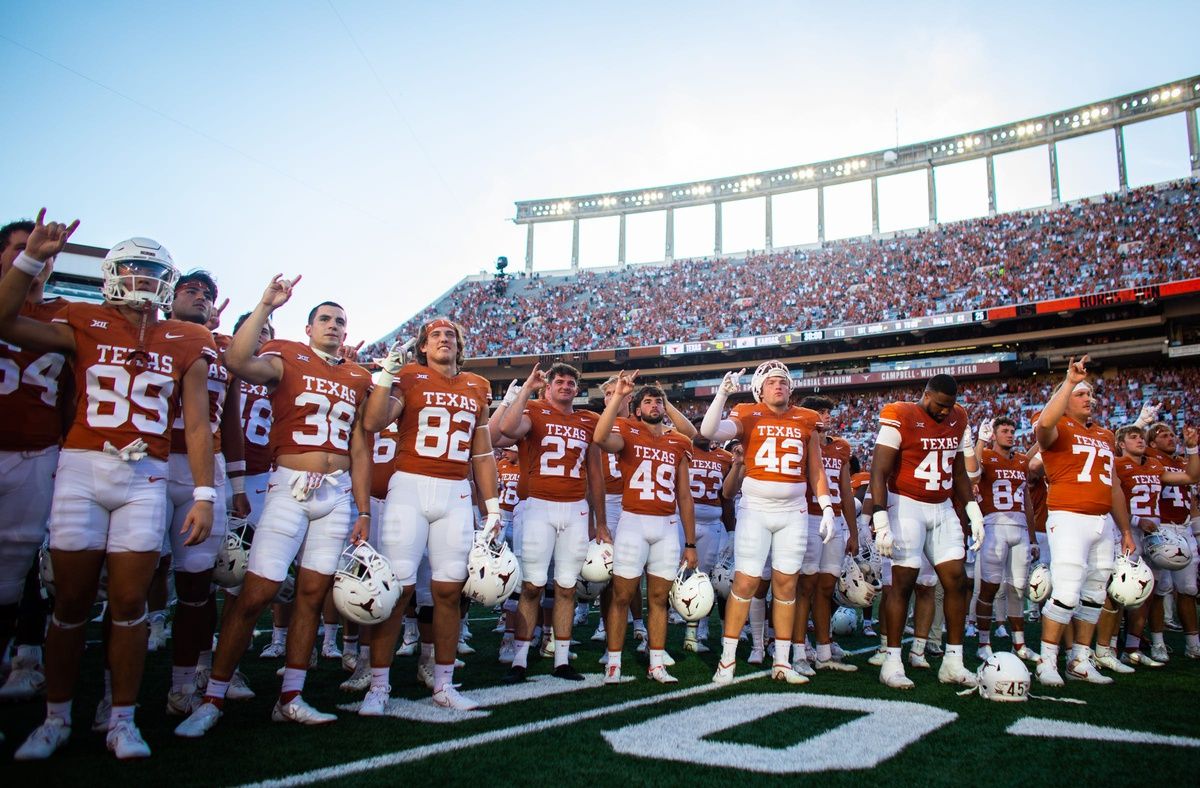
<point x="722" y="572"/>
<point x="1132" y="581"/>
<point x="1039" y="583"/>
<point x="598" y="566"/>
<point x="365" y="590"/>
<point x="853" y="584"/>
<point x="844" y="622"/>
<point x="133" y="263"/>
<point x="768" y="369"/>
<point x="692" y="595"/>
<point x="234" y="554"/>
<point x="1003" y="677"/>
<point x="1166" y="549"/>
<point x="492" y="571"/>
<point x="587" y="590"/>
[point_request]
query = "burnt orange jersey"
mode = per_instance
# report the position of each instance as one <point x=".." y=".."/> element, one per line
<point x="510" y="477"/>
<point x="439" y="419"/>
<point x="219" y="382"/>
<point x="925" y="468"/>
<point x="835" y="453"/>
<point x="315" y="403"/>
<point x="776" y="444"/>
<point x="31" y="389"/>
<point x="128" y="386"/>
<point x="523" y="455"/>
<point x="1175" y="502"/>
<point x="1079" y="468"/>
<point x="860" y="480"/>
<point x="256" y="424"/>
<point x="707" y="470"/>
<point x="1002" y="482"/>
<point x="558" y="445"/>
<point x="613" y="485"/>
<point x="649" y="466"/>
<point x="383" y="461"/>
<point x="1142" y="484"/>
<point x="1036" y="492"/>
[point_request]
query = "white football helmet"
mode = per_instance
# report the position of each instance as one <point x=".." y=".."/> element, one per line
<point x="365" y="589"/>
<point x="692" y="595"/>
<point x="234" y="554"/>
<point x="1039" y="583"/>
<point x="46" y="570"/>
<point x="768" y="369"/>
<point x="853" y="584"/>
<point x="138" y="271"/>
<point x="844" y="621"/>
<point x="598" y="566"/>
<point x="1132" y="581"/>
<point x="588" y="591"/>
<point x="1166" y="549"/>
<point x="1003" y="677"/>
<point x="722" y="572"/>
<point x="493" y="573"/>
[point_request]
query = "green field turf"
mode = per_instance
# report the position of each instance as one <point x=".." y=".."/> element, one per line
<point x="972" y="748"/>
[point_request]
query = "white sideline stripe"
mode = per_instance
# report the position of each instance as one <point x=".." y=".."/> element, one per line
<point x="487" y="737"/>
<point x="870" y="649"/>
<point x="1056" y="729"/>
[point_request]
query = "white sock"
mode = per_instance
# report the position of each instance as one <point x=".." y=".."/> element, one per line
<point x="1132" y="642"/>
<point x="893" y="654"/>
<point x="293" y="680"/>
<point x="443" y="676"/>
<point x="656" y="657"/>
<point x="379" y="677"/>
<point x="278" y="635"/>
<point x="1156" y="639"/>
<point x="521" y="656"/>
<point x="918" y="646"/>
<point x="783" y="652"/>
<point x="1192" y="640"/>
<point x="614" y="660"/>
<point x="729" y="650"/>
<point x="1050" y="652"/>
<point x="799" y="650"/>
<point x="120" y="714"/>
<point x="331" y="631"/>
<point x="954" y="651"/>
<point x="562" y="652"/>
<point x="824" y="652"/>
<point x="182" y="678"/>
<point x="758" y="623"/>
<point x="60" y="710"/>
<point x="1018" y="638"/>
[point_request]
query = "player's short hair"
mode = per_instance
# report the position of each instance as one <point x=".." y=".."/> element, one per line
<point x="199" y="276"/>
<point x="1152" y="432"/>
<point x="813" y="402"/>
<point x="437" y="322"/>
<point x="943" y="384"/>
<point x="312" y="313"/>
<point x="1127" y="430"/>
<point x="1003" y="421"/>
<point x="608" y="383"/>
<point x="649" y="390"/>
<point x="7" y="230"/>
<point x="561" y="369"/>
<point x="246" y="316"/>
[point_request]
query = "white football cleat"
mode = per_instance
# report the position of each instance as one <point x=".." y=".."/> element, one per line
<point x="600" y="634"/>
<point x="971" y="630"/>
<point x="157" y="639"/>
<point x="836" y="665"/>
<point x="668" y="660"/>
<point x="1085" y="670"/>
<point x="359" y="680"/>
<point x="44" y="740"/>
<point x="878" y="658"/>
<point x="1027" y="654"/>
<point x="951" y="671"/>
<point x="375" y="702"/>
<point x="546" y="651"/>
<point x="757" y="656"/>
<point x="102" y="715"/>
<point x="238" y="688"/>
<point x="200" y="722"/>
<point x="125" y="741"/>
<point x="181" y="703"/>
<point x="724" y="674"/>
<point x="835" y="651"/>
<point x="330" y="651"/>
<point x="500" y="625"/>
<point x="201" y="678"/>
<point x="661" y="675"/>
<point x="934" y="649"/>
<point x="408" y="647"/>
<point x="642" y="646"/>
<point x="984" y="653"/>
<point x="802" y="667"/>
<point x="273" y="651"/>
<point x="450" y="698"/>
<point x="788" y="674"/>
<point x="1135" y="657"/>
<point x="425" y="674"/>
<point x="350" y="660"/>
<point x="1047" y="673"/>
<point x="580" y="618"/>
<point x="696" y="646"/>
<point x="1159" y="652"/>
<point x="1001" y="631"/>
<point x="22" y="684"/>
<point x="869" y="630"/>
<point x="892" y="675"/>
<point x="297" y="710"/>
<point x="918" y="660"/>
<point x="1107" y="659"/>
<point x="1192" y="652"/>
<point x="464" y="649"/>
<point x="613" y="674"/>
<point x="508" y="652"/>
<point x="603" y="658"/>
<point x="464" y="631"/>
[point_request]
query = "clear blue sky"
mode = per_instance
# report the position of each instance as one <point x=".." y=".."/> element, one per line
<point x="377" y="148"/>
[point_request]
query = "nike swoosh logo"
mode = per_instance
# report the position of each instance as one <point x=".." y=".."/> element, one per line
<point x="259" y="492"/>
<point x="468" y="495"/>
<point x="169" y="335"/>
<point x="154" y="479"/>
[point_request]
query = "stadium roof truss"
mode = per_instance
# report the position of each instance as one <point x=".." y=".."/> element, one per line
<point x="1109" y="114"/>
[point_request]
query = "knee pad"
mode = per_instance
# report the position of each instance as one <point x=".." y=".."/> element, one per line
<point x="787" y="602"/>
<point x="1057" y="611"/>
<point x="734" y="596"/>
<point x="1088" y="611"/>
<point x="64" y="625"/>
<point x="134" y="622"/>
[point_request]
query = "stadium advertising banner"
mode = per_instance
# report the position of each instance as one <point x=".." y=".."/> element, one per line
<point x="851" y="379"/>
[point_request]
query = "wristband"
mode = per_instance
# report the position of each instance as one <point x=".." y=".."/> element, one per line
<point x="825" y="502"/>
<point x="235" y="467"/>
<point x="365" y="514"/>
<point x="689" y="546"/>
<point x="492" y="505"/>
<point x="880" y="520"/>
<point x="27" y="264"/>
<point x="237" y="484"/>
<point x="1191" y="451"/>
<point x="205" y="494"/>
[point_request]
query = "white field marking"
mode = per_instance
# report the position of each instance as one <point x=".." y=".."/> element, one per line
<point x="536" y="687"/>
<point x="487" y="737"/>
<point x="1055" y="729"/>
<point x="869" y="649"/>
<point x="862" y="743"/>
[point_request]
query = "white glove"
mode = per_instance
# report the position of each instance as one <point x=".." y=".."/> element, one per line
<point x="491" y="526"/>
<point x="1148" y="416"/>
<point x="985" y="431"/>
<point x="510" y="396"/>
<point x="132" y="452"/>
<point x="883" y="532"/>
<point x="975" y="517"/>
<point x="826" y="528"/>
<point x="305" y="483"/>
<point x="394" y="360"/>
<point x="730" y="384"/>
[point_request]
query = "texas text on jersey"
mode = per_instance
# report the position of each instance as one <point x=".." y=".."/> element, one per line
<point x="1002" y="482"/>
<point x="925" y="469"/>
<point x="1079" y="468"/>
<point x="438" y="421"/>
<point x="558" y="444"/>
<point x="775" y="443"/>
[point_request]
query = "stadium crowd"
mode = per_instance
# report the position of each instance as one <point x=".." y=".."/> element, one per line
<point x="1145" y="235"/>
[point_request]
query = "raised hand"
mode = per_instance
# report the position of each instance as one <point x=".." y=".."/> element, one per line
<point x="1077" y="370"/>
<point x="624" y="385"/>
<point x="537" y="378"/>
<point x="394" y="360"/>
<point x="732" y="382"/>
<point x="985" y="431"/>
<point x="47" y="240"/>
<point x="279" y="291"/>
<point x="1191" y="437"/>
<point x="214" y="319"/>
<point x="348" y="353"/>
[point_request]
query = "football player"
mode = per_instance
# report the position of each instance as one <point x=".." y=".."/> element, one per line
<point x="654" y="469"/>
<point x="110" y="494"/>
<point x="783" y="456"/>
<point x="1008" y="536"/>
<point x="34" y="398"/>
<point x="442" y="415"/>
<point x="707" y="471"/>
<point x="322" y="472"/>
<point x="565" y="478"/>
<point x="1078" y="456"/>
<point x="917" y="467"/>
<point x="823" y="558"/>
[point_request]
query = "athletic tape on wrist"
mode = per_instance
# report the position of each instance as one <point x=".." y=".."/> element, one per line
<point x="28" y="265"/>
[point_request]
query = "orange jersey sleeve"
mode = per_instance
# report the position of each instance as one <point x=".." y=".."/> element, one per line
<point x="776" y="444"/>
<point x="128" y="384"/>
<point x="835" y="453"/>
<point x="439" y="420"/>
<point x="925" y="466"/>
<point x="1142" y="484"/>
<point x="649" y="466"/>
<point x="558" y="445"/>
<point x="1002" y="482"/>
<point x="219" y="381"/>
<point x="31" y="384"/>
<point x="706" y="472"/>
<point x="1079" y="468"/>
<point x="1175" y="502"/>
